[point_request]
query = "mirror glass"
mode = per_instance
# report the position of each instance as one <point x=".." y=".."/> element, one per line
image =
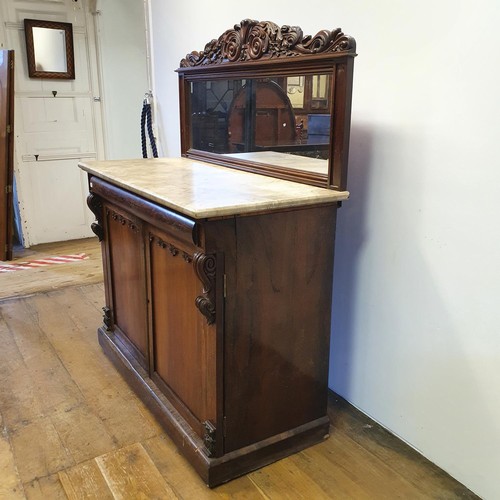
<point x="278" y="120"/>
<point x="50" y="49"/>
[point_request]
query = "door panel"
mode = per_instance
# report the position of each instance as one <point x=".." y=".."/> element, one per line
<point x="55" y="126"/>
<point x="126" y="255"/>
<point x="72" y="218"/>
<point x="6" y="152"/>
<point x="55" y="129"/>
<point x="184" y="344"/>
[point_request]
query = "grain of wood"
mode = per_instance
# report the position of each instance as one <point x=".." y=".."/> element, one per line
<point x="332" y="480"/>
<point x="184" y="480"/>
<point x="20" y="283"/>
<point x="10" y="483"/>
<point x="421" y="476"/>
<point x="72" y="428"/>
<point x="52" y="384"/>
<point x="82" y="432"/>
<point x="353" y="470"/>
<point x="85" y="481"/>
<point x="38" y="450"/>
<point x="284" y="480"/>
<point x="131" y="474"/>
<point x="45" y="488"/>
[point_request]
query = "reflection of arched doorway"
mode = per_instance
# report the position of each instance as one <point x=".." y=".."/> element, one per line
<point x="270" y="123"/>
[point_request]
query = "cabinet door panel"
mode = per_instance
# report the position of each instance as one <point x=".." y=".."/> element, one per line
<point x="184" y="343"/>
<point x="126" y="256"/>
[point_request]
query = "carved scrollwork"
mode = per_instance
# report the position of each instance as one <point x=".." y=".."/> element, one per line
<point x="107" y="318"/>
<point x="123" y="220"/>
<point x="209" y="437"/>
<point x="206" y="267"/>
<point x="94" y="202"/>
<point x="253" y="40"/>
<point x="163" y="244"/>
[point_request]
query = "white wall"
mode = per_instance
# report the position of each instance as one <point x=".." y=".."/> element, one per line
<point x="416" y="329"/>
<point x="123" y="58"/>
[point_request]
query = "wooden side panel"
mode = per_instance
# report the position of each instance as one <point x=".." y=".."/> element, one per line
<point x="6" y="152"/>
<point x="278" y="309"/>
<point x="128" y="277"/>
<point x="183" y="341"/>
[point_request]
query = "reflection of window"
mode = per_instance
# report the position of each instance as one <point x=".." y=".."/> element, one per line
<point x="319" y="92"/>
<point x="295" y="90"/>
<point x="308" y="93"/>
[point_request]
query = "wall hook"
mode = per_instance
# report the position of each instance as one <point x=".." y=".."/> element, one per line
<point x="54" y="93"/>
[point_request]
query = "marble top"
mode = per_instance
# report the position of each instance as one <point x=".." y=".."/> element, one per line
<point x="203" y="190"/>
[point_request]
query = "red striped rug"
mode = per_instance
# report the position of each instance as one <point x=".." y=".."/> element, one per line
<point x="48" y="261"/>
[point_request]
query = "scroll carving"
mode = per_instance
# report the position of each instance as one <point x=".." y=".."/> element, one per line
<point x="171" y="248"/>
<point x="253" y="40"/>
<point x="123" y="220"/>
<point x="94" y="202"/>
<point x="209" y="437"/>
<point x="107" y="318"/>
<point x="205" y="267"/>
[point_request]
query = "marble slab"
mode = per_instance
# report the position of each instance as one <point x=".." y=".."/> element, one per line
<point x="201" y="190"/>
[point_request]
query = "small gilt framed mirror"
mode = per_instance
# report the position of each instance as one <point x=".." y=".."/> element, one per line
<point x="49" y="49"/>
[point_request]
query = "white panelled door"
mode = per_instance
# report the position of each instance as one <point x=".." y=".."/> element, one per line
<point x="58" y="122"/>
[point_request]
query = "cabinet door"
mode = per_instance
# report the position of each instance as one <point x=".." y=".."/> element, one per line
<point x="126" y="264"/>
<point x="184" y="339"/>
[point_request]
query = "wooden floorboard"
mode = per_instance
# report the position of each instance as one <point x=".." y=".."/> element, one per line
<point x="25" y="282"/>
<point x="72" y="428"/>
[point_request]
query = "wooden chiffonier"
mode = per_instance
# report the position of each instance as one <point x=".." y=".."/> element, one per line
<point x="218" y="265"/>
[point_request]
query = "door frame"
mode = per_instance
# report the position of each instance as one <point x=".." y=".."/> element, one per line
<point x="7" y="165"/>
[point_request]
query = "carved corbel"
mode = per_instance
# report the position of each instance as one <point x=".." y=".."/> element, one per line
<point x="205" y="267"/>
<point x="209" y="437"/>
<point x="107" y="318"/>
<point x="94" y="202"/>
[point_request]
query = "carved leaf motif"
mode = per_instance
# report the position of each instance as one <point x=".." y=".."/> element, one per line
<point x="108" y="318"/>
<point x="205" y="267"/>
<point x="209" y="437"/>
<point x="94" y="202"/>
<point x="123" y="221"/>
<point x="253" y="40"/>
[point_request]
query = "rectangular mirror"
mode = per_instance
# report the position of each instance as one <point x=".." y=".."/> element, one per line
<point x="49" y="49"/>
<point x="269" y="100"/>
<point x="270" y="120"/>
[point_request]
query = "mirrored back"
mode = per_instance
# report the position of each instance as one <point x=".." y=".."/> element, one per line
<point x="268" y="100"/>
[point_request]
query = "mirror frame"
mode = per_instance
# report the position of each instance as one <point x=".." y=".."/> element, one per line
<point x="29" y="24"/>
<point x="256" y="49"/>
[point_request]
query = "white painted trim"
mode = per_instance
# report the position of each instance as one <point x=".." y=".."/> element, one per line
<point x="75" y="156"/>
<point x="95" y="13"/>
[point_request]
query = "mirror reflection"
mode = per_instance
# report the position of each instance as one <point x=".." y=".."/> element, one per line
<point x="50" y="49"/>
<point x="283" y="121"/>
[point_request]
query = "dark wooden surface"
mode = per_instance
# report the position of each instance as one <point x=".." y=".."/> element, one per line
<point x="231" y="334"/>
<point x="127" y="272"/>
<point x="6" y="153"/>
<point x="277" y="322"/>
<point x="183" y="343"/>
<point x="73" y="429"/>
